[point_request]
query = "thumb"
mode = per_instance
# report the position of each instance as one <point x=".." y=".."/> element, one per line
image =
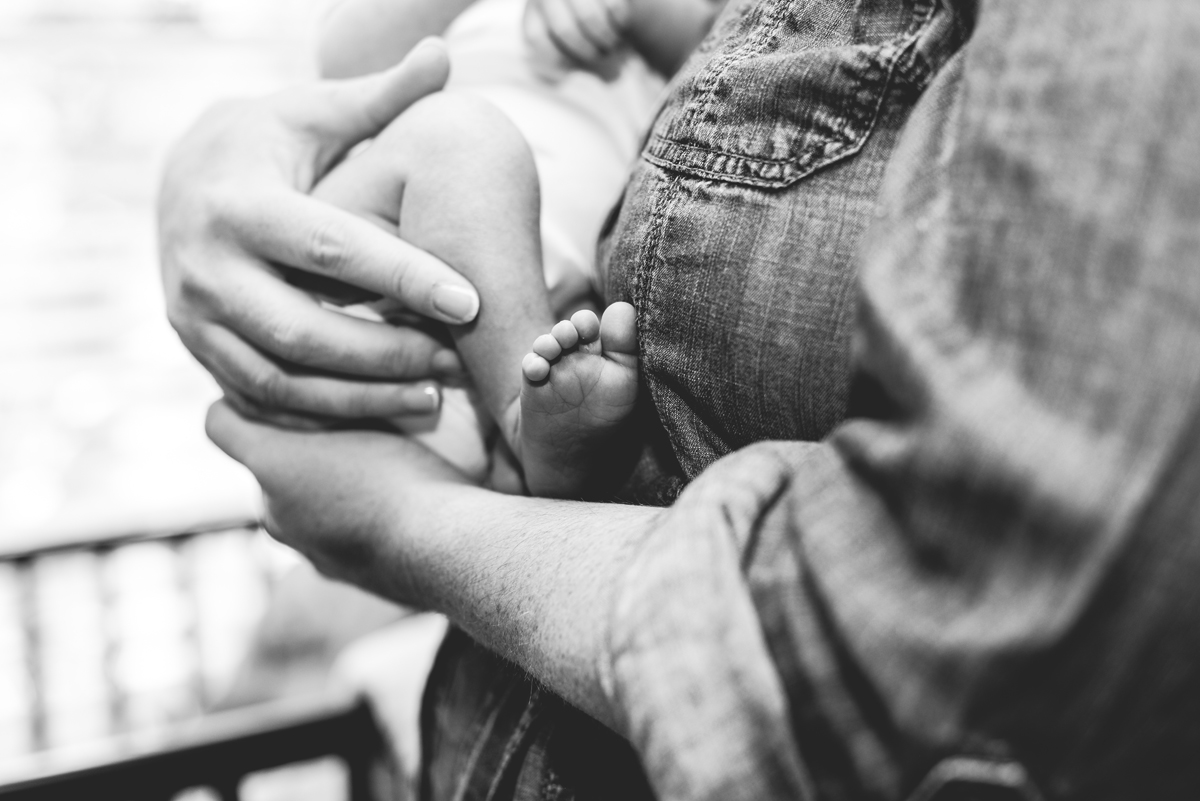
<point x="258" y="446"/>
<point x="342" y="113"/>
<point x="266" y="450"/>
<point x="230" y="432"/>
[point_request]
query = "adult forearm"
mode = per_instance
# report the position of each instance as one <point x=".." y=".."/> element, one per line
<point x="530" y="578"/>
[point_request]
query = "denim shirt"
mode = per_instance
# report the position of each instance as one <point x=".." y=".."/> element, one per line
<point x="737" y="239"/>
<point x="945" y="255"/>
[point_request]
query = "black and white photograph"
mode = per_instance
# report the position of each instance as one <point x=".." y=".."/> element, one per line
<point x="600" y="400"/>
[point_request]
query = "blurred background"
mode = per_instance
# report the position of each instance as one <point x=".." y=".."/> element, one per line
<point x="106" y="628"/>
<point x="100" y="406"/>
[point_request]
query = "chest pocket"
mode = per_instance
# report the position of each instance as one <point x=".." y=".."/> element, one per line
<point x="795" y="86"/>
<point x="738" y="235"/>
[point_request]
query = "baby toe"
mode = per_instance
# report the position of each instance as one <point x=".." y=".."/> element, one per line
<point x="565" y="334"/>
<point x="587" y="324"/>
<point x="618" y="329"/>
<point x="534" y="367"/>
<point x="547" y="347"/>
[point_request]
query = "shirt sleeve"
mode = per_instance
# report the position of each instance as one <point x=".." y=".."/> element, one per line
<point x="994" y="557"/>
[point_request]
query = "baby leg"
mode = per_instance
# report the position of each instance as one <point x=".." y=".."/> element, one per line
<point x="453" y="176"/>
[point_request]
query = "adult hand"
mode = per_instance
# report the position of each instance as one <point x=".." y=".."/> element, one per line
<point x="338" y="497"/>
<point x="233" y="210"/>
<point x="531" y="578"/>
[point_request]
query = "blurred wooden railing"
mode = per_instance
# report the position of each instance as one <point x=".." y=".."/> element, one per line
<point x="114" y="656"/>
<point x="213" y="757"/>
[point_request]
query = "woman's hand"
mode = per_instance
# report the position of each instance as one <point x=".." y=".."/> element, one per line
<point x="233" y="209"/>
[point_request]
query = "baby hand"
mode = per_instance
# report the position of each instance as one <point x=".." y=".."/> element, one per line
<point x="578" y="33"/>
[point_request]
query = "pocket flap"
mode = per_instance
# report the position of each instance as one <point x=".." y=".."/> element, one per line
<point x="796" y="86"/>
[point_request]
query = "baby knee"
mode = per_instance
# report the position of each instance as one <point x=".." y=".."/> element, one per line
<point x="459" y="132"/>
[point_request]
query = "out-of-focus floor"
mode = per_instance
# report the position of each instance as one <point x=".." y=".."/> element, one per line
<point x="101" y="408"/>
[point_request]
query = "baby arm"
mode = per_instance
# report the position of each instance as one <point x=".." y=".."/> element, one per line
<point x="363" y="36"/>
<point x="588" y="33"/>
<point x="665" y="32"/>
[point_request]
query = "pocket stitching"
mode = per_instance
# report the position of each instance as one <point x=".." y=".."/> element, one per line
<point x="748" y="169"/>
<point x="712" y="73"/>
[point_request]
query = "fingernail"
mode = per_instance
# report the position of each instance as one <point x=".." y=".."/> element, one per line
<point x="432" y="398"/>
<point x="446" y="362"/>
<point x="458" y="305"/>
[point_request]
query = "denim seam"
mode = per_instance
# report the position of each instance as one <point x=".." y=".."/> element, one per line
<point x="650" y="261"/>
<point x="515" y="741"/>
<point x="481" y="741"/>
<point x="895" y="52"/>
<point x="916" y="70"/>
<point x="710" y="76"/>
<point x="699" y="149"/>
<point x="665" y="188"/>
<point x="748" y="170"/>
<point x="971" y="771"/>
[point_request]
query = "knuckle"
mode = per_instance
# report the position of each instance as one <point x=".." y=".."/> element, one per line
<point x="405" y="360"/>
<point x="212" y="220"/>
<point x="450" y="121"/>
<point x="243" y="405"/>
<point x="191" y="293"/>
<point x="268" y="386"/>
<point x="401" y="283"/>
<point x="359" y="403"/>
<point x="221" y="208"/>
<point x="192" y="302"/>
<point x="325" y="249"/>
<point x="289" y="339"/>
<point x="179" y="321"/>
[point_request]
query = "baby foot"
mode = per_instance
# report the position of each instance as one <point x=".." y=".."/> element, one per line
<point x="580" y="386"/>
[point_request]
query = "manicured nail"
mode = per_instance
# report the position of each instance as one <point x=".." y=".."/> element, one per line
<point x="458" y="305"/>
<point x="447" y="363"/>
<point x="431" y="399"/>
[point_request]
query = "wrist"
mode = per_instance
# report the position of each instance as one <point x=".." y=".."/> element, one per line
<point x="534" y="580"/>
